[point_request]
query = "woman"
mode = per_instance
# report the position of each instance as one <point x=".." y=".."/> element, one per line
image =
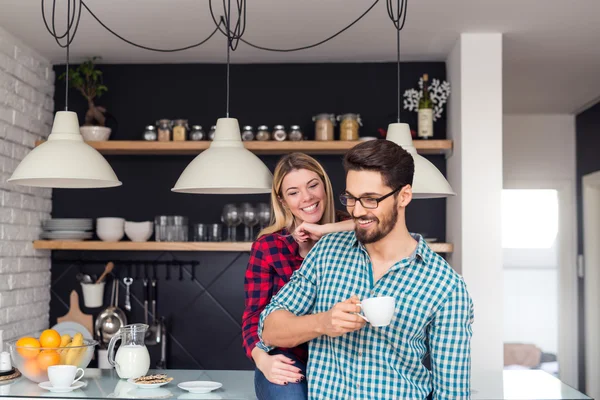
<point x="301" y="195"/>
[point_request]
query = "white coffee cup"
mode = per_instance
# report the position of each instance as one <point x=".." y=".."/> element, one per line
<point x="378" y="310"/>
<point x="63" y="376"/>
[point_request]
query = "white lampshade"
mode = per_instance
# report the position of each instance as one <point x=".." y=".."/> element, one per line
<point x="428" y="181"/>
<point x="226" y="167"/>
<point x="65" y="160"/>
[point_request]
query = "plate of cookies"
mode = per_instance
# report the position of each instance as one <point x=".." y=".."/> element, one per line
<point x="150" y="381"/>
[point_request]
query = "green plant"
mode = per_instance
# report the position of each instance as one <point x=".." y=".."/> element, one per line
<point x="88" y="81"/>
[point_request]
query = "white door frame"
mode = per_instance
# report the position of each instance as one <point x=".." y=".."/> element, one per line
<point x="591" y="281"/>
<point x="567" y="274"/>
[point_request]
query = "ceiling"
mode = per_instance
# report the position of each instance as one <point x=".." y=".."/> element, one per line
<point x="551" y="57"/>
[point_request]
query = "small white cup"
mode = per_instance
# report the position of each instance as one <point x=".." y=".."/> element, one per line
<point x="378" y="311"/>
<point x="63" y="376"/>
<point x="93" y="294"/>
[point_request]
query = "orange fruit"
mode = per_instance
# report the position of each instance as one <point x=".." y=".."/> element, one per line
<point x="48" y="358"/>
<point x="50" y="339"/>
<point x="31" y="368"/>
<point x="28" y="347"/>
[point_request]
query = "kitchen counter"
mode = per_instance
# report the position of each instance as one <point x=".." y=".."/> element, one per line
<point x="101" y="384"/>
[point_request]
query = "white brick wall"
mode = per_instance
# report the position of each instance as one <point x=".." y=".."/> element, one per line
<point x="26" y="114"/>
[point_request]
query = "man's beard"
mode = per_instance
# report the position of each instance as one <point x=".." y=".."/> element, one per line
<point x="384" y="227"/>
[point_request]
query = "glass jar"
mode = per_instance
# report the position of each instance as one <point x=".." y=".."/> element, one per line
<point x="180" y="130"/>
<point x="349" y="124"/>
<point x="324" y="124"/>
<point x="196" y="133"/>
<point x="295" y="133"/>
<point x="150" y="133"/>
<point x="160" y="228"/>
<point x="211" y="133"/>
<point x="180" y="230"/>
<point x="247" y="133"/>
<point x="263" y="133"/>
<point x="279" y="133"/>
<point x="164" y="130"/>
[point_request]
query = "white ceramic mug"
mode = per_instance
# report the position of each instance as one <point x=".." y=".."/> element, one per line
<point x="378" y="310"/>
<point x="63" y="376"/>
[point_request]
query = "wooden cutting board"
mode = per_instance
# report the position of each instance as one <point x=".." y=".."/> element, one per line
<point x="76" y="315"/>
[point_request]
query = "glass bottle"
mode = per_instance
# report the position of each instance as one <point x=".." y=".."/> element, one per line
<point x="180" y="130"/>
<point x="324" y="124"/>
<point x="164" y="130"/>
<point x="263" y="133"/>
<point x="425" y="111"/>
<point x="279" y="133"/>
<point x="247" y="133"/>
<point x="197" y="133"/>
<point x="349" y="124"/>
<point x="150" y="133"/>
<point x="295" y="133"/>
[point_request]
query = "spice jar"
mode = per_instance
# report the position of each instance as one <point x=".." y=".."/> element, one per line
<point x="324" y="124"/>
<point x="279" y="133"/>
<point x="150" y="133"/>
<point x="295" y="133"/>
<point x="247" y="133"/>
<point x="263" y="133"/>
<point x="349" y="126"/>
<point x="196" y="133"/>
<point x="180" y="130"/>
<point x="211" y="133"/>
<point x="164" y="130"/>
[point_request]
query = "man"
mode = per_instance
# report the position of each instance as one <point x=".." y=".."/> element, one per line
<point x="350" y="359"/>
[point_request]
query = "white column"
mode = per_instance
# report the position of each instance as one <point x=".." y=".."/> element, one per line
<point x="475" y="172"/>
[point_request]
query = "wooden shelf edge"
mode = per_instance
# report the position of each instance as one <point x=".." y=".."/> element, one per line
<point x="169" y="246"/>
<point x="140" y="147"/>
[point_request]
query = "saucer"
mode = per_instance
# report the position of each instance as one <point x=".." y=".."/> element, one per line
<point x="146" y="385"/>
<point x="48" y="386"/>
<point x="199" y="386"/>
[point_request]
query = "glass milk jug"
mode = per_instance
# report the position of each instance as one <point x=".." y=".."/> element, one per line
<point x="132" y="359"/>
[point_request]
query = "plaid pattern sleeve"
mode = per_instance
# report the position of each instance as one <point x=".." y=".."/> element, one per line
<point x="297" y="296"/>
<point x="450" y="338"/>
<point x="258" y="284"/>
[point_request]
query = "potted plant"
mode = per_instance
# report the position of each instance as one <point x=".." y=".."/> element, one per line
<point x="88" y="81"/>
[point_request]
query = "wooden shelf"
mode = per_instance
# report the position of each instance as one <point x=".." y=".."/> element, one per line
<point x="169" y="246"/>
<point x="141" y="147"/>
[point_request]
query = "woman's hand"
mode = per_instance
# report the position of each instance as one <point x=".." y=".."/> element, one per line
<point x="279" y="369"/>
<point x="309" y="232"/>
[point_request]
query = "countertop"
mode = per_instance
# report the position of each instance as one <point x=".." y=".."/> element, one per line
<point x="101" y="384"/>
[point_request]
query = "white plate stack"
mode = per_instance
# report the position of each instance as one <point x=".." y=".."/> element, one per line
<point x="68" y="229"/>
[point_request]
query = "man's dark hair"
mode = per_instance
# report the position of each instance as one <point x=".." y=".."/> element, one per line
<point x="395" y="164"/>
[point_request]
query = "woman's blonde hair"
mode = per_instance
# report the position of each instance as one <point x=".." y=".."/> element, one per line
<point x="282" y="217"/>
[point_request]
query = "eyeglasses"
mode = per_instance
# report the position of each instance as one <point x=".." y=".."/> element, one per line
<point x="366" y="202"/>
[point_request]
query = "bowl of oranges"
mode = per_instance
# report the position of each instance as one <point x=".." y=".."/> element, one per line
<point x="32" y="356"/>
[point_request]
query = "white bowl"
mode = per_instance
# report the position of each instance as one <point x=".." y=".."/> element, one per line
<point x="139" y="231"/>
<point x="110" y="223"/>
<point x="110" y="235"/>
<point x="94" y="133"/>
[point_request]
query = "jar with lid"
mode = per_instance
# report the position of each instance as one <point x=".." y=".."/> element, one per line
<point x="211" y="133"/>
<point x="196" y="133"/>
<point x="324" y="124"/>
<point x="263" y="133"/>
<point x="247" y="133"/>
<point x="279" y="133"/>
<point x="164" y="130"/>
<point x="180" y="130"/>
<point x="150" y="133"/>
<point x="349" y="124"/>
<point x="295" y="133"/>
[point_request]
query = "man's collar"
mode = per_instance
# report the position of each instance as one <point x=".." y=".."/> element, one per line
<point x="422" y="251"/>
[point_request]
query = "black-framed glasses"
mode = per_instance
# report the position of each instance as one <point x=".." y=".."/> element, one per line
<point x="366" y="202"/>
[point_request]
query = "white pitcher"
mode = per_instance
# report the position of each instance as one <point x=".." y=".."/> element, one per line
<point x="132" y="359"/>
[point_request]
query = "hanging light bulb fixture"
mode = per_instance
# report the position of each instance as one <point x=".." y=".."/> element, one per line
<point x="226" y="167"/>
<point x="65" y="160"/>
<point x="428" y="181"/>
